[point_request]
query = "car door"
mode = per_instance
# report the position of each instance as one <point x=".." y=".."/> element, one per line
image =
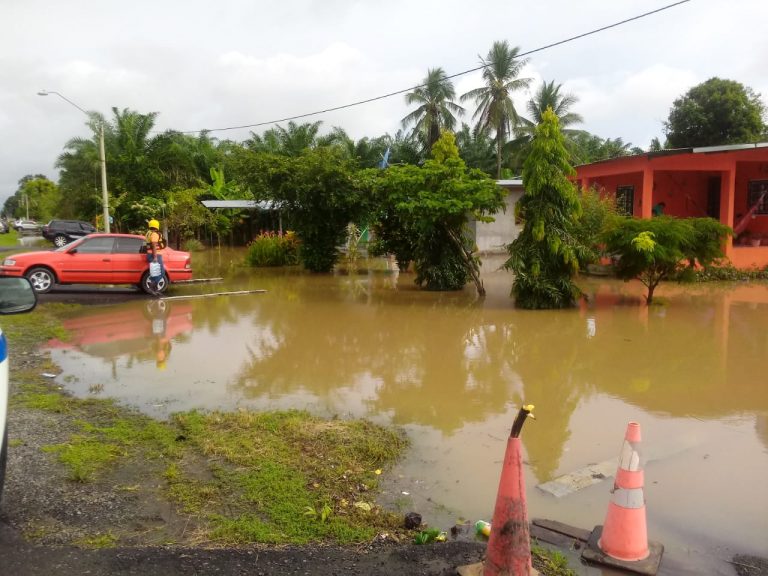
<point x="89" y="262"/>
<point x="128" y="260"/>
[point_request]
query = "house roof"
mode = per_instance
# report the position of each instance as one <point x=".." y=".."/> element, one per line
<point x="693" y="150"/>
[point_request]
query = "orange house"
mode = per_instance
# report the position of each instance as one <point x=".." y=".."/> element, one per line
<point x="729" y="183"/>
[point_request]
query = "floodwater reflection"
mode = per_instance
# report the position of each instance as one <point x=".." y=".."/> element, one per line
<point x="453" y="369"/>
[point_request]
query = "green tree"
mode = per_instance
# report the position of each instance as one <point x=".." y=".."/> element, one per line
<point x="716" y="112"/>
<point x="652" y="250"/>
<point x="432" y="205"/>
<point x="36" y="194"/>
<point x="597" y="216"/>
<point x="548" y="95"/>
<point x="290" y="141"/>
<point x="495" y="109"/>
<point x="546" y="254"/>
<point x="585" y="147"/>
<point x="186" y="217"/>
<point x="435" y="108"/>
<point x="317" y="190"/>
<point x="476" y="148"/>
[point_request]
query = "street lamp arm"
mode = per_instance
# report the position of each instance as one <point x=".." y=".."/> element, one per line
<point x="46" y="92"/>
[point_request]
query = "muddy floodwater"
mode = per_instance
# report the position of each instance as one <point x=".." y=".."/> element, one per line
<point x="452" y="370"/>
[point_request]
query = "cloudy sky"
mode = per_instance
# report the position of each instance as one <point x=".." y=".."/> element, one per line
<point x="204" y="64"/>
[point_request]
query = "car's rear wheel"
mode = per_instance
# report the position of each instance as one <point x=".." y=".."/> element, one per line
<point x="42" y="279"/>
<point x="60" y="240"/>
<point x="162" y="285"/>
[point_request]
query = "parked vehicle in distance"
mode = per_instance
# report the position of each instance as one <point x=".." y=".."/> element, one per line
<point x="4" y="228"/>
<point x="16" y="296"/>
<point x="62" y="232"/>
<point x="26" y="226"/>
<point x="97" y="259"/>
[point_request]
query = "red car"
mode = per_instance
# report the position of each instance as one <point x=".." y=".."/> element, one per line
<point x="97" y="259"/>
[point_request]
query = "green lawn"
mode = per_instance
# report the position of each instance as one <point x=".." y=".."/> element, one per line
<point x="10" y="240"/>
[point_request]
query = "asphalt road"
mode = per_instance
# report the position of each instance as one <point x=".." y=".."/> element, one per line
<point x="19" y="558"/>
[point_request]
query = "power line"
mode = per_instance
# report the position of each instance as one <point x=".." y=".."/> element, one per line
<point x="404" y="90"/>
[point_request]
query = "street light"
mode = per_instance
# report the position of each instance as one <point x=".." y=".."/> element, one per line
<point x="102" y="157"/>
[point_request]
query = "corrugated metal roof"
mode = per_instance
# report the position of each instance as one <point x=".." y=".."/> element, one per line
<point x="242" y="204"/>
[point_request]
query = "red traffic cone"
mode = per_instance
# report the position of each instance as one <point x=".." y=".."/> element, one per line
<point x="509" y="544"/>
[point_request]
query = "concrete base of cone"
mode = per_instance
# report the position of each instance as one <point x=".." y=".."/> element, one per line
<point x="649" y="566"/>
<point x="477" y="570"/>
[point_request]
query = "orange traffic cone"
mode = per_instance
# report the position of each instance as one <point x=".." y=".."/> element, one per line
<point x="625" y="535"/>
<point x="509" y="544"/>
<point x="623" y="539"/>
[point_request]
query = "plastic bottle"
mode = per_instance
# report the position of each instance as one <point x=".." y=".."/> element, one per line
<point x="483" y="527"/>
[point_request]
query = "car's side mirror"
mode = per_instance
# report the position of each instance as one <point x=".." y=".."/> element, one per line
<point x="16" y="295"/>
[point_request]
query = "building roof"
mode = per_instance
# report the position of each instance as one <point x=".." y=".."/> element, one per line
<point x="247" y="204"/>
<point x="693" y="150"/>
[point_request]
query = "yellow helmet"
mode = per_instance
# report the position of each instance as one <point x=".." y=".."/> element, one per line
<point x="154" y="224"/>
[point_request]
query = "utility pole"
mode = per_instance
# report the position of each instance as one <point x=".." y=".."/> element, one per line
<point x="102" y="159"/>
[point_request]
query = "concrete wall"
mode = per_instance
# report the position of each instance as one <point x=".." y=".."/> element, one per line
<point x="491" y="237"/>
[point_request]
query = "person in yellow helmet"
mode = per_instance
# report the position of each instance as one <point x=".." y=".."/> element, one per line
<point x="155" y="243"/>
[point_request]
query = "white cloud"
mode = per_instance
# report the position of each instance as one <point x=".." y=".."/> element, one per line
<point x="634" y="106"/>
<point x="203" y="65"/>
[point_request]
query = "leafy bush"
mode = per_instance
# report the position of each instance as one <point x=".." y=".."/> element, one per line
<point x="724" y="274"/>
<point x="270" y="249"/>
<point x="596" y="216"/>
<point x="193" y="245"/>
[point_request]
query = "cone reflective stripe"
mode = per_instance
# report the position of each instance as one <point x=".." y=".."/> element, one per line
<point x="509" y="545"/>
<point x="625" y="534"/>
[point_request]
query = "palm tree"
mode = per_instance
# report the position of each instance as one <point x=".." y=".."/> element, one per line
<point x="436" y="107"/>
<point x="495" y="109"/>
<point x="548" y="96"/>
<point x="290" y="141"/>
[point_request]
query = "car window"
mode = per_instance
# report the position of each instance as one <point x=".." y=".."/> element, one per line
<point x="96" y="246"/>
<point x="72" y="227"/>
<point x="128" y="245"/>
<point x="87" y="227"/>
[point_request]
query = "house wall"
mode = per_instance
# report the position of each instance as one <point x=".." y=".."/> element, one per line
<point x="683" y="193"/>
<point x="607" y="186"/>
<point x="682" y="182"/>
<point x="492" y="237"/>
<point x="745" y="172"/>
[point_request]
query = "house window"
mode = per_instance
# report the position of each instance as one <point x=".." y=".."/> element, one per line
<point x="758" y="192"/>
<point x="625" y="200"/>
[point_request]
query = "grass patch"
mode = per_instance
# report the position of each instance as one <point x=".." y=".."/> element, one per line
<point x="288" y="476"/>
<point x="97" y="541"/>
<point x="550" y="562"/>
<point x="84" y="457"/>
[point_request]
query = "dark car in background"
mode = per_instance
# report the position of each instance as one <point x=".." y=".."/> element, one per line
<point x="62" y="232"/>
